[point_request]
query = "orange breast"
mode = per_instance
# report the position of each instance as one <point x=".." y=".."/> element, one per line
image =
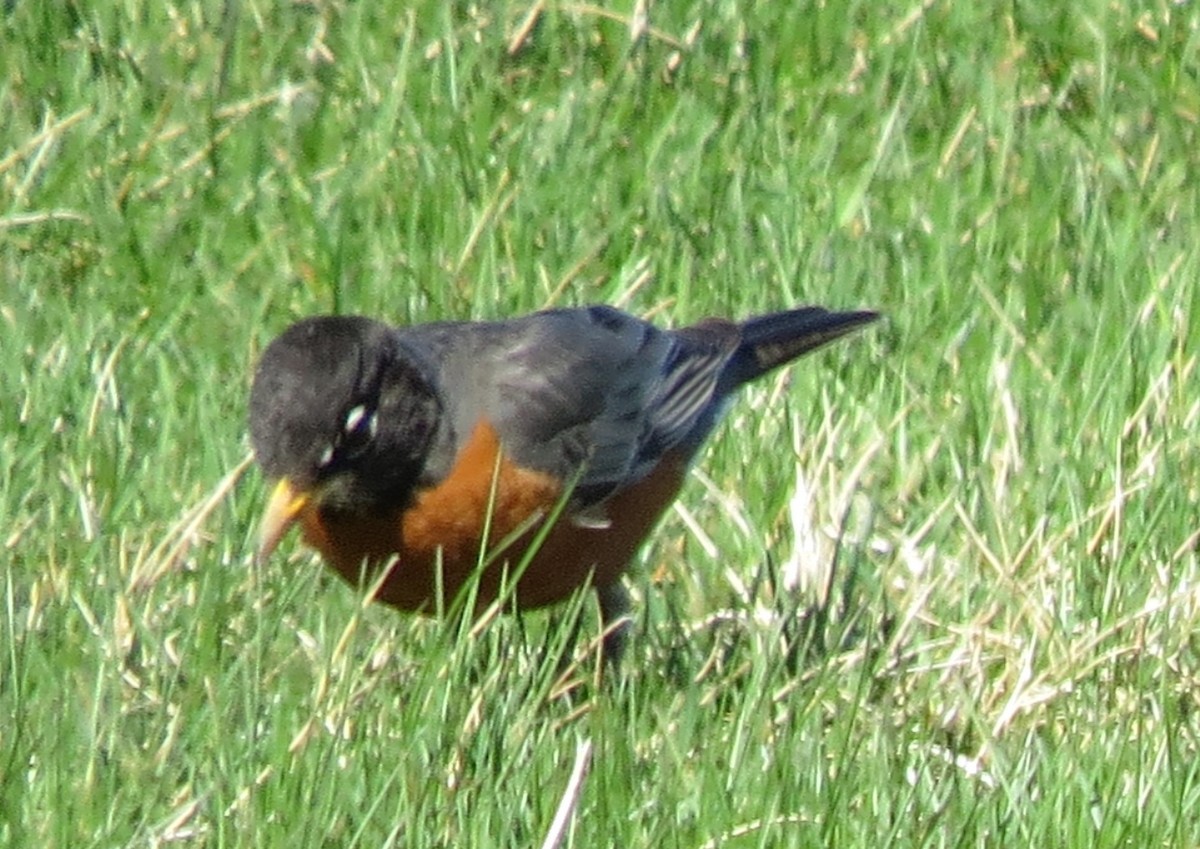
<point x="437" y="541"/>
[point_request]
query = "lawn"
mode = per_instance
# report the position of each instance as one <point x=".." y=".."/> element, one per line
<point x="937" y="585"/>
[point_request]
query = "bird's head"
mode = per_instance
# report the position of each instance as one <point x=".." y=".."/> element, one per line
<point x="341" y="419"/>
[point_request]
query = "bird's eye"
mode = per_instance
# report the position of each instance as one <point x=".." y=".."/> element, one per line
<point x="358" y="429"/>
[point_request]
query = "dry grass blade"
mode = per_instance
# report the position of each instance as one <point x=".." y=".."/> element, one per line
<point x="521" y="37"/>
<point x="51" y="130"/>
<point x="171" y="549"/>
<point x="570" y="797"/>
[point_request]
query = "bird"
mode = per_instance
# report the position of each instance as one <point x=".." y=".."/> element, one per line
<point x="532" y="455"/>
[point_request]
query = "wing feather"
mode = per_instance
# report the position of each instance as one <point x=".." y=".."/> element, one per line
<point x="593" y="392"/>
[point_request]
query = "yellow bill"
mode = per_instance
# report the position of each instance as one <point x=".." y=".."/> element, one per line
<point x="282" y="511"/>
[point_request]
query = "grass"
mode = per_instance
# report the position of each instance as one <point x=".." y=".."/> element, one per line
<point x="934" y="587"/>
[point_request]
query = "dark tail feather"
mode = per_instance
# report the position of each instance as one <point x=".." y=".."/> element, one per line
<point x="772" y="340"/>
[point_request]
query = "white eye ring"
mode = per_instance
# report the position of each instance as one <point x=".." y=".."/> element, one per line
<point x="354" y="421"/>
<point x="326" y="457"/>
<point x="354" y="418"/>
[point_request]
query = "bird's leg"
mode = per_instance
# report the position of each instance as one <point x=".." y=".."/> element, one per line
<point x="614" y="618"/>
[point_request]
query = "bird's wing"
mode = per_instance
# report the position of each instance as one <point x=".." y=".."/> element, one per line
<point x="591" y="394"/>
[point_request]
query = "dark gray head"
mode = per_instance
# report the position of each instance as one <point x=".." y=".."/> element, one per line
<point x="340" y="412"/>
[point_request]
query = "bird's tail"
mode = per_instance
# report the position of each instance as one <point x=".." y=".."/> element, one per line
<point x="771" y="340"/>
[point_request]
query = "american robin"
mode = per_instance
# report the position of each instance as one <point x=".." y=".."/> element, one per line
<point x="440" y="451"/>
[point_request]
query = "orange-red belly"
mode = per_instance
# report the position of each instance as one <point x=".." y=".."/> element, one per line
<point x="437" y="543"/>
